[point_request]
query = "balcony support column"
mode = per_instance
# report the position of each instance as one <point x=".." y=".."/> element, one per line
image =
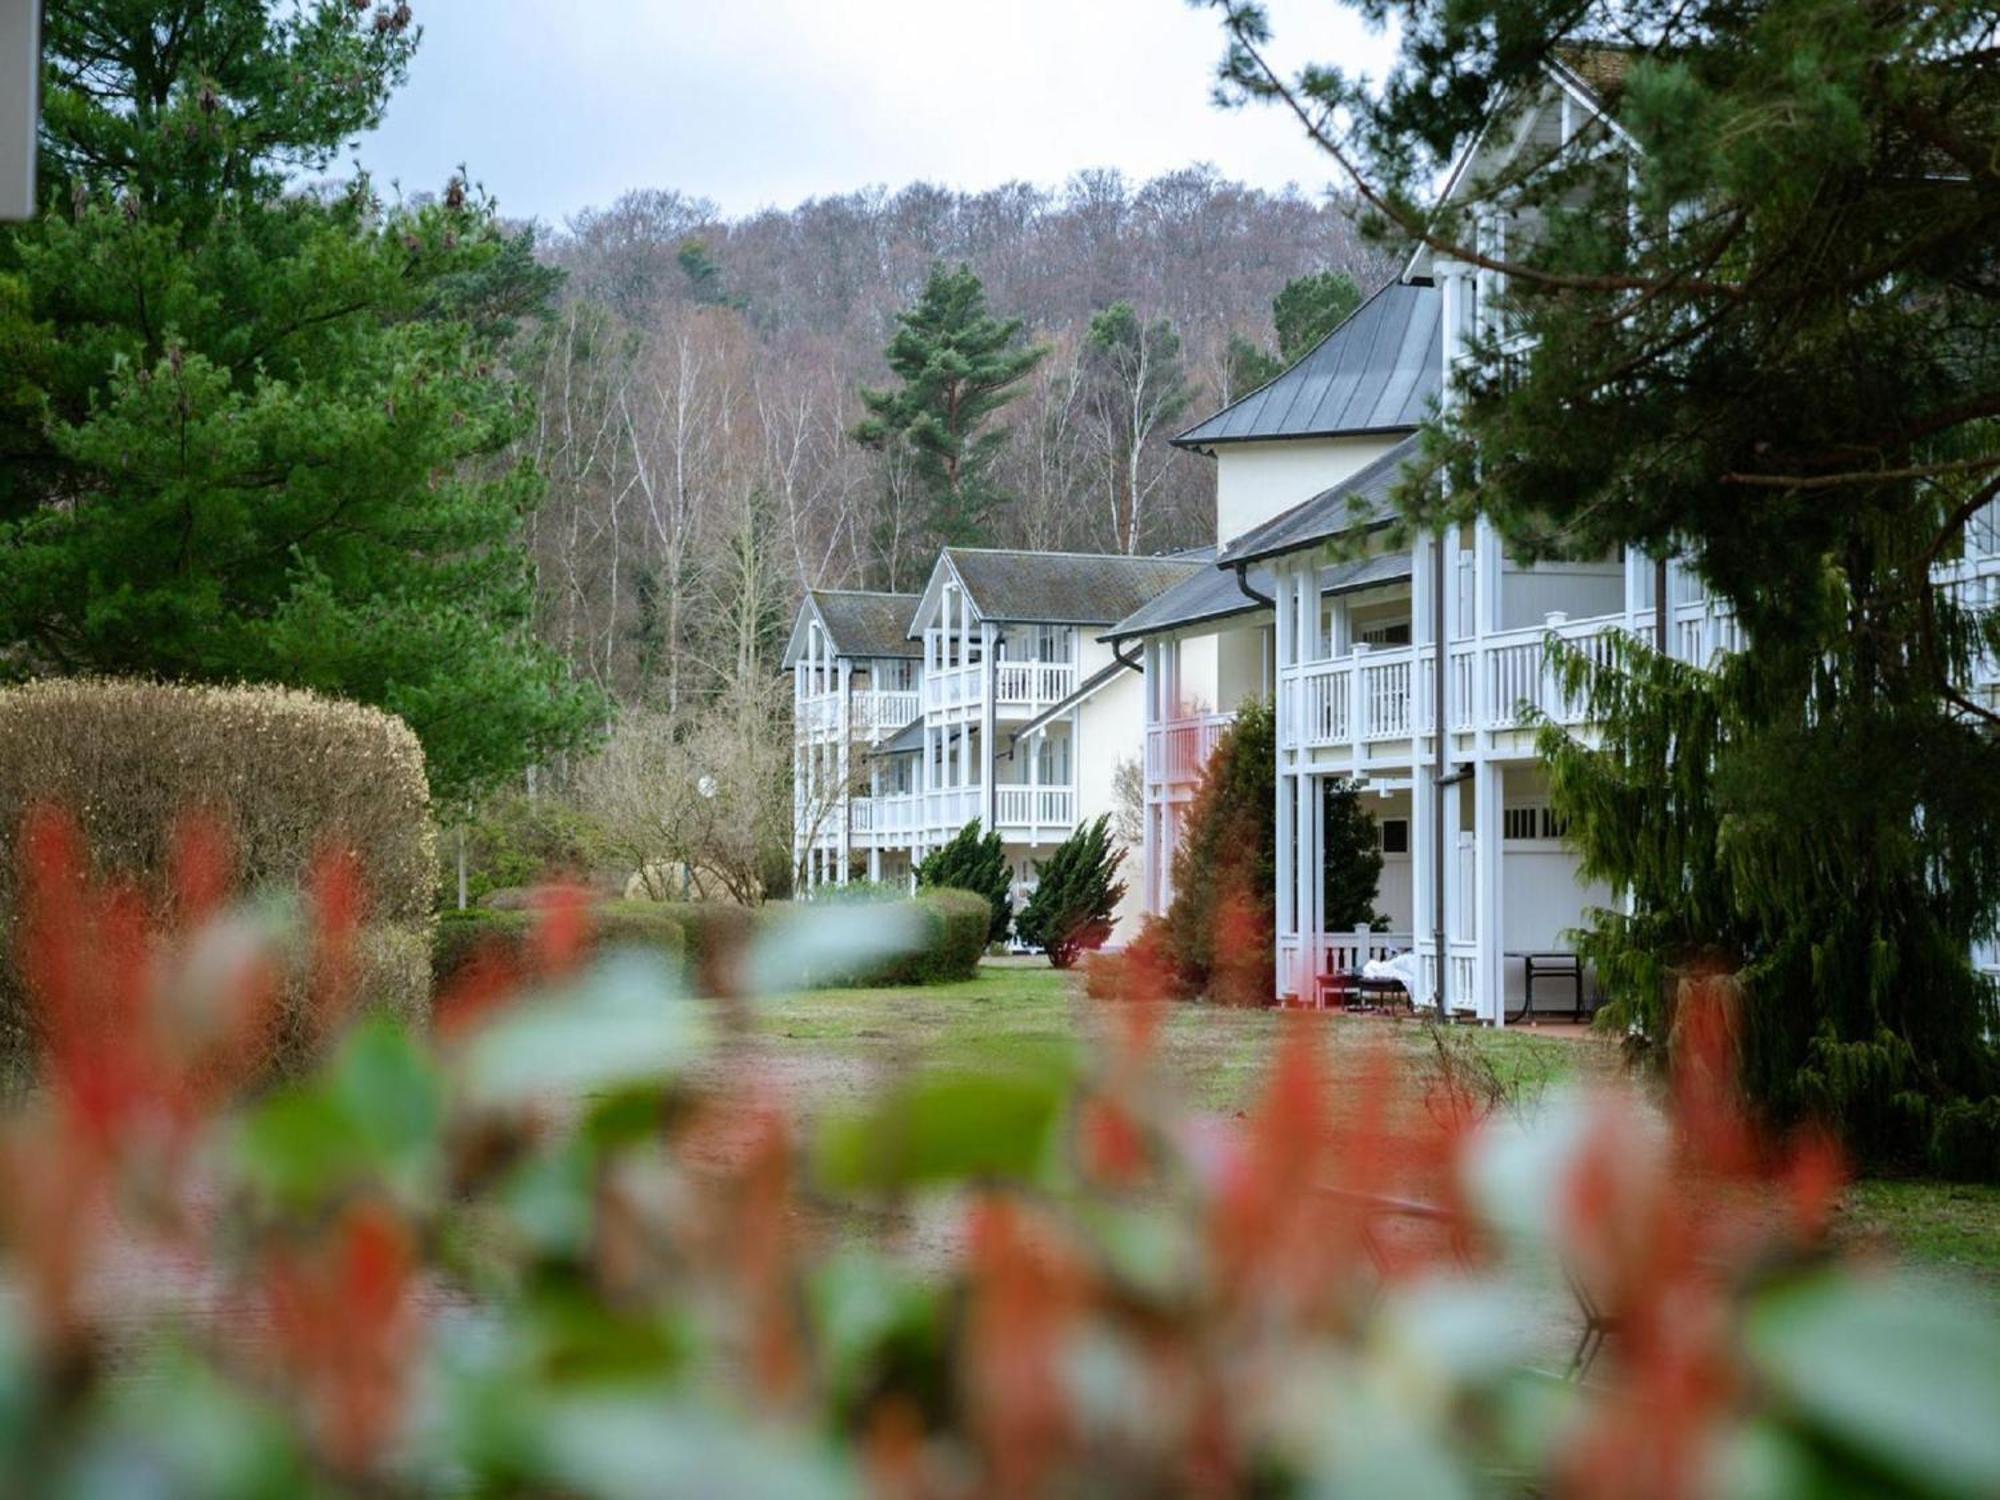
<point x="988" y="757"/>
<point x="1034" y="749"/>
<point x="1490" y="961"/>
<point x="844" y="767"/>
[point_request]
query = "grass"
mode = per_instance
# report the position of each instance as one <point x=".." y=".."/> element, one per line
<point x="834" y="1043"/>
<point x="1018" y="1012"/>
<point x="1953" y="1225"/>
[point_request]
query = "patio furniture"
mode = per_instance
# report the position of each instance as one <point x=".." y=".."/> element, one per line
<point x="1546" y="966"/>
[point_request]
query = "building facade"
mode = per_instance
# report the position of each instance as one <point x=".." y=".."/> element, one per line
<point x="988" y="696"/>
<point x="1408" y="670"/>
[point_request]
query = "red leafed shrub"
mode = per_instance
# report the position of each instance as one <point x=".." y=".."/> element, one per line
<point x="578" y="1244"/>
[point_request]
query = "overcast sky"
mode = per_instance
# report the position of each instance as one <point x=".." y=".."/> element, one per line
<point x="558" y="104"/>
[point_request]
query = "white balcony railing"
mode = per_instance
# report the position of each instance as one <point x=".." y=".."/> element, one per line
<point x="1178" y="750"/>
<point x="870" y="715"/>
<point x="1034" y="807"/>
<point x="1031" y="685"/>
<point x="1386" y="696"/>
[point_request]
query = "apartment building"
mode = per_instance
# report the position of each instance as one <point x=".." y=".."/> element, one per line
<point x="988" y="696"/>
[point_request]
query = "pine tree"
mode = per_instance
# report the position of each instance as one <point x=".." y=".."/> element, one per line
<point x="1222" y="925"/>
<point x="1309" y="308"/>
<point x="1076" y="892"/>
<point x="1757" y="329"/>
<point x="1350" y="857"/>
<point x="959" y="366"/>
<point x="253" y="432"/>
<point x="974" y="862"/>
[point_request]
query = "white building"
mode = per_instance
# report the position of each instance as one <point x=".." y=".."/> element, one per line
<point x="987" y="696"/>
<point x="1371" y="649"/>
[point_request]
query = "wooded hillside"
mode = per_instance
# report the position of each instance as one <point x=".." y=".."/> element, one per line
<point x="699" y="391"/>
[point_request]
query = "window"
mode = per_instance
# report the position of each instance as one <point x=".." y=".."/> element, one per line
<point x="1385" y="635"/>
<point x="1534" y="821"/>
<point x="1394" y="835"/>
<point x="1052" y="643"/>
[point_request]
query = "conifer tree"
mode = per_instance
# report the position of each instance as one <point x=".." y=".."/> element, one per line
<point x="1350" y="858"/>
<point x="1222" y="924"/>
<point x="256" y="432"/>
<point x="1076" y="892"/>
<point x="976" y="862"/>
<point x="958" y="366"/>
<point x="1309" y="308"/>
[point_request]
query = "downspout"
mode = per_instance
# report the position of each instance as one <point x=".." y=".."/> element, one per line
<point x="1660" y="605"/>
<point x="1243" y="583"/>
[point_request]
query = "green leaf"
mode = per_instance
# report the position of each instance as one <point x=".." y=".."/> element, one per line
<point x="1906" y="1373"/>
<point x="627" y="1024"/>
<point x="946" y="1127"/>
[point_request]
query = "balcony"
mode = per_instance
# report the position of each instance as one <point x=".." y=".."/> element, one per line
<point x="1034" y="809"/>
<point x="1177" y="750"/>
<point x="871" y="716"/>
<point x="1025" y="687"/>
<point x="1373" y="702"/>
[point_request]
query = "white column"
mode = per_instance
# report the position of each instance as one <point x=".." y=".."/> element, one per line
<point x="844" y="766"/>
<point x="1033" y="749"/>
<point x="989" y="761"/>
<point x="1490" y="963"/>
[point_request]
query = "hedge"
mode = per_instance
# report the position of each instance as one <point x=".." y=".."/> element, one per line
<point x="283" y="773"/>
<point x="955" y="925"/>
<point x="613" y="924"/>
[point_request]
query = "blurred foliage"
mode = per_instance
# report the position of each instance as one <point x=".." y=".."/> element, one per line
<point x="567" y="1245"/>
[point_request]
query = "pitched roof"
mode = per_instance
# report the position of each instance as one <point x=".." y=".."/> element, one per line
<point x="1360" y="501"/>
<point x="1063" y="588"/>
<point x="1212" y="594"/>
<point x="861" y="623"/>
<point x="1380" y="371"/>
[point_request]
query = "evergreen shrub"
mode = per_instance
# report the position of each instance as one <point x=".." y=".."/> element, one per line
<point x="974" y="862"/>
<point x="1075" y="896"/>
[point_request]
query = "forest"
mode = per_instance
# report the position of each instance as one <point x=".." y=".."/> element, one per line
<point x="699" y="391"/>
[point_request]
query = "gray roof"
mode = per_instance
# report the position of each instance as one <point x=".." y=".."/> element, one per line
<point x="1360" y="501"/>
<point x="1064" y="588"/>
<point x="1380" y="371"/>
<point x="1210" y="595"/>
<point x="868" y="624"/>
<point x="906" y="741"/>
<point x="1365" y="573"/>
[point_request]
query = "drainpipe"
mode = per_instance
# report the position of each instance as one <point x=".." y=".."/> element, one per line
<point x="1660" y="604"/>
<point x="1243" y="583"/>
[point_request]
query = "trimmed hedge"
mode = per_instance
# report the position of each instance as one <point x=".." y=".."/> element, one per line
<point x="613" y="924"/>
<point x="283" y="773"/>
<point x="956" y="924"/>
<point x="711" y="938"/>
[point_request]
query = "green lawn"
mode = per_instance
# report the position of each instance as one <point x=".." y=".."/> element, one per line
<point x="1015" y="1012"/>
<point x="835" y="1044"/>
<point x="1950" y="1224"/>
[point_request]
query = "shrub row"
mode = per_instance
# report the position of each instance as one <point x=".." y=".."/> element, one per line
<point x="711" y="937"/>
<point x="613" y="924"/>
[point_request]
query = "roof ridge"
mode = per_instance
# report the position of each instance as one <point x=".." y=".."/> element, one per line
<point x="1092" y="556"/>
<point x="867" y="593"/>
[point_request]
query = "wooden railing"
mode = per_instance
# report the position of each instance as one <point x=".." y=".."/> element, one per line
<point x="1034" y="807"/>
<point x="1032" y="684"/>
<point x="1178" y="750"/>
